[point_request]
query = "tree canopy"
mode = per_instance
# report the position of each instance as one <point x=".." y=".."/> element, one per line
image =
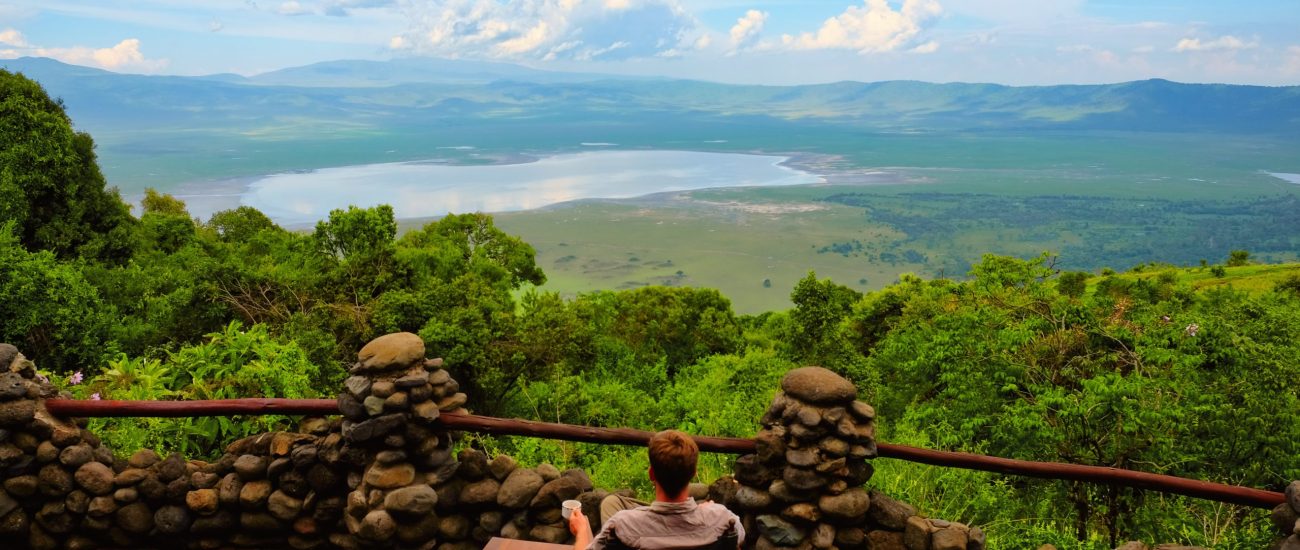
<point x="51" y="188"/>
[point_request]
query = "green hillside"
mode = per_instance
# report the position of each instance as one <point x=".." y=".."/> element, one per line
<point x="1253" y="279"/>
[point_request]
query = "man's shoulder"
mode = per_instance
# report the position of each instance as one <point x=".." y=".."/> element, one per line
<point x="630" y="515"/>
<point x="711" y="513"/>
<point x="716" y="513"/>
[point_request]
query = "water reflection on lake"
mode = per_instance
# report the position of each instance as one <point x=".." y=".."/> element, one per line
<point x="417" y="189"/>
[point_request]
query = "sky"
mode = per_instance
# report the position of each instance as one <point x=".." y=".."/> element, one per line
<point x="779" y="42"/>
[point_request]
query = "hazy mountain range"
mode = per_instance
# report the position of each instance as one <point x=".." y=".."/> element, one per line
<point x="370" y="94"/>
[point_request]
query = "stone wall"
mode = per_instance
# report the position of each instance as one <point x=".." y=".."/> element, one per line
<point x="382" y="476"/>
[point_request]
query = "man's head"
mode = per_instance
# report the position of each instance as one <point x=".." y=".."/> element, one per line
<point x="672" y="460"/>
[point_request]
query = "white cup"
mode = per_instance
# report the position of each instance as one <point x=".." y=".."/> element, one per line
<point x="568" y="506"/>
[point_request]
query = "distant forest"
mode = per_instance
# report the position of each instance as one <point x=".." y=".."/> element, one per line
<point x="1088" y="232"/>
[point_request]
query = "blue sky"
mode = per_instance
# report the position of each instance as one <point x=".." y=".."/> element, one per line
<point x="749" y="41"/>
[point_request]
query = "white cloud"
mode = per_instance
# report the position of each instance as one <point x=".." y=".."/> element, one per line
<point x="1148" y="25"/>
<point x="292" y="7"/>
<point x="1222" y="43"/>
<point x="872" y="27"/>
<point x="747" y="29"/>
<point x="11" y="37"/>
<point x="1075" y="48"/>
<point x="589" y="54"/>
<point x="928" y="47"/>
<point x="1292" y="63"/>
<point x="1106" y="57"/>
<point x="530" y="40"/>
<point x="549" y="29"/>
<point x="125" y="55"/>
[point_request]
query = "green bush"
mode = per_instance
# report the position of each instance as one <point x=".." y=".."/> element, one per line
<point x="233" y="363"/>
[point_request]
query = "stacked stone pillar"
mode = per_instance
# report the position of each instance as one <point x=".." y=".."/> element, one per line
<point x="388" y="406"/>
<point x="803" y="487"/>
<point x="1286" y="517"/>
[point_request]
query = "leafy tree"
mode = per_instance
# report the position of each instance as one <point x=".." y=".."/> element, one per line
<point x="681" y="325"/>
<point x="165" y="225"/>
<point x="1238" y="258"/>
<point x="162" y="203"/>
<point x="819" y="307"/>
<point x="51" y="188"/>
<point x="478" y="245"/>
<point x="356" y="233"/>
<point x="241" y="224"/>
<point x="49" y="309"/>
<point x="1073" y="283"/>
<point x="876" y="313"/>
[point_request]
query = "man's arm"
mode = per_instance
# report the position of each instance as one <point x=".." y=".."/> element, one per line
<point x="581" y="529"/>
<point x="735" y="524"/>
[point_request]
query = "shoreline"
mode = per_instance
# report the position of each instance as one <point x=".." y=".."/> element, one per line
<point x="205" y="198"/>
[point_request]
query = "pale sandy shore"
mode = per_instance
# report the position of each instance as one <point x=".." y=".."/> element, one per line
<point x="1293" y="178"/>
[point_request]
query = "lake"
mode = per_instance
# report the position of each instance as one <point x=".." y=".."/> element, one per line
<point x="421" y="189"/>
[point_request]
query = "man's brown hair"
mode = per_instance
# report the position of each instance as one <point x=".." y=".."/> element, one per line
<point x="673" y="455"/>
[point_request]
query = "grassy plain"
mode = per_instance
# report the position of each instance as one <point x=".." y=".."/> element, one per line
<point x="752" y="250"/>
<point x="1105" y="212"/>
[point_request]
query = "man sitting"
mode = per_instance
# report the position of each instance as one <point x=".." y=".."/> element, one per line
<point x="674" y="520"/>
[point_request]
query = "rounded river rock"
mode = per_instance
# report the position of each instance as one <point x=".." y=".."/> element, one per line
<point x="818" y="386"/>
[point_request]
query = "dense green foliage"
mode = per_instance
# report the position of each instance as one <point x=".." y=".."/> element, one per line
<point x="1089" y="232"/>
<point x="228" y="364"/>
<point x="1132" y="371"/>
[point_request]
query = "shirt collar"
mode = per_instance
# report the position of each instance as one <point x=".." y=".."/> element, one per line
<point x="683" y="507"/>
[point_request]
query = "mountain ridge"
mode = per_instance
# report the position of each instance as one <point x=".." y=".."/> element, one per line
<point x="277" y="76"/>
<point x="407" y="92"/>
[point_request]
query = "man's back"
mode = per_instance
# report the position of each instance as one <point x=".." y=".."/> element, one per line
<point x="664" y="525"/>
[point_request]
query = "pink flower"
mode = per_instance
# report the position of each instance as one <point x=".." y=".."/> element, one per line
<point x="43" y="379"/>
<point x="94" y="396"/>
<point x="76" y="378"/>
